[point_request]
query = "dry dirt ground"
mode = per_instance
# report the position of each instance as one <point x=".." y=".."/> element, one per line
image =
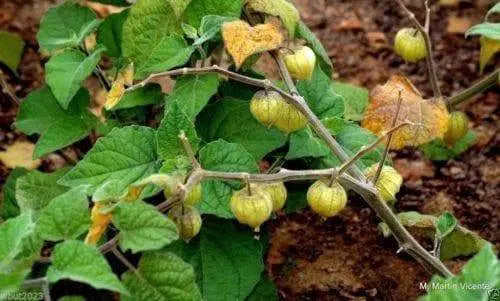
<point x="345" y="258"/>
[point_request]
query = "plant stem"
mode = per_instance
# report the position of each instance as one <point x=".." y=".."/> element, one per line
<point x="189" y="150"/>
<point x="7" y="89"/>
<point x="36" y="282"/>
<point x="124" y="260"/>
<point x="366" y="190"/>
<point x="431" y="66"/>
<point x="489" y="81"/>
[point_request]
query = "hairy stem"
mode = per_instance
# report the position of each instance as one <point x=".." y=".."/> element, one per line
<point x="489" y="81"/>
<point x="431" y="66"/>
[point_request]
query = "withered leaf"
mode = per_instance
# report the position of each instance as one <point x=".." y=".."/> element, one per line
<point x="19" y="154"/>
<point x="242" y="40"/>
<point x="428" y="118"/>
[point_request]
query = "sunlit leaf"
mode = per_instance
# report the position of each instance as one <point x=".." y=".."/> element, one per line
<point x="281" y="8"/>
<point x="243" y="40"/>
<point x="428" y="117"/>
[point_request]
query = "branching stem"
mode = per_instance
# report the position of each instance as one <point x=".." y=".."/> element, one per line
<point x="424" y="29"/>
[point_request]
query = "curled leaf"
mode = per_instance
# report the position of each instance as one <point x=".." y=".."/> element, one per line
<point x="115" y="94"/>
<point x="489" y="47"/>
<point x="242" y="40"/>
<point x="428" y="118"/>
<point x="100" y="221"/>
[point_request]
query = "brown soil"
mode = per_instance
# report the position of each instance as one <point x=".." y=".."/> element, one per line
<point x="344" y="258"/>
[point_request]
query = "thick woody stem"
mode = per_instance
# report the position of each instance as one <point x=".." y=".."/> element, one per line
<point x="431" y="66"/>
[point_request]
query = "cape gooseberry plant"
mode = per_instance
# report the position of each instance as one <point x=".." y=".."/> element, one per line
<point x="195" y="240"/>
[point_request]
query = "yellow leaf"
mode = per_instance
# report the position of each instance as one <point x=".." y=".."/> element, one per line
<point x="100" y="222"/>
<point x="242" y="40"/>
<point x="115" y="94"/>
<point x="280" y="8"/>
<point x="127" y="75"/>
<point x="489" y="47"/>
<point x="428" y="118"/>
<point x="19" y="154"/>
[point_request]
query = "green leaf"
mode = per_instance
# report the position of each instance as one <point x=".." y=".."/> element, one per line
<point x="189" y="31"/>
<point x="263" y="291"/>
<point x="352" y="137"/>
<point x="479" y="280"/>
<point x="487" y="29"/>
<point x="197" y="9"/>
<point x="222" y="156"/>
<point x="66" y="25"/>
<point x="355" y="100"/>
<point x="230" y="119"/>
<point x="437" y="150"/>
<point x="163" y="277"/>
<point x="304" y="143"/>
<point x="192" y="93"/>
<point x="12" y="234"/>
<point x="494" y="10"/>
<point x="305" y="33"/>
<point x="110" y="33"/>
<point x="66" y="71"/>
<point x="460" y="242"/>
<point x="11" y="49"/>
<point x="147" y="95"/>
<point x="445" y="224"/>
<point x="151" y="36"/>
<point x="280" y="8"/>
<point x="36" y="189"/>
<point x="11" y="282"/>
<point x="40" y="113"/>
<point x="142" y="227"/>
<point x="65" y="217"/>
<point x="226" y="259"/>
<point x="79" y="262"/>
<point x="174" y="122"/>
<point x="319" y="94"/>
<point x="126" y="154"/>
<point x="8" y="206"/>
<point x="71" y="298"/>
<point x="296" y="200"/>
<point x="210" y="28"/>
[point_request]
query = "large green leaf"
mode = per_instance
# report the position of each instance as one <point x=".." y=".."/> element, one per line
<point x="36" y="189"/>
<point x="264" y="290"/>
<point x="142" y="227"/>
<point x="304" y="143"/>
<point x="66" y="25"/>
<point x="222" y="156"/>
<point x="438" y="150"/>
<point x="479" y="280"/>
<point x="126" y="154"/>
<point x="192" y="93"/>
<point x="355" y="100"/>
<point x="319" y="94"/>
<point x="8" y="205"/>
<point x="210" y="28"/>
<point x="197" y="9"/>
<point x="226" y="259"/>
<point x="162" y="276"/>
<point x="11" y="49"/>
<point x="65" y="217"/>
<point x="230" y="119"/>
<point x="77" y="261"/>
<point x="66" y="71"/>
<point x="175" y="121"/>
<point x="12" y="234"/>
<point x="305" y="33"/>
<point x="40" y="113"/>
<point x="110" y="33"/>
<point x="150" y="37"/>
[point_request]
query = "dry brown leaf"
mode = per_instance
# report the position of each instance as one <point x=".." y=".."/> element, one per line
<point x="428" y="118"/>
<point x="20" y="154"/>
<point x="458" y="25"/>
<point x="243" y="40"/>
